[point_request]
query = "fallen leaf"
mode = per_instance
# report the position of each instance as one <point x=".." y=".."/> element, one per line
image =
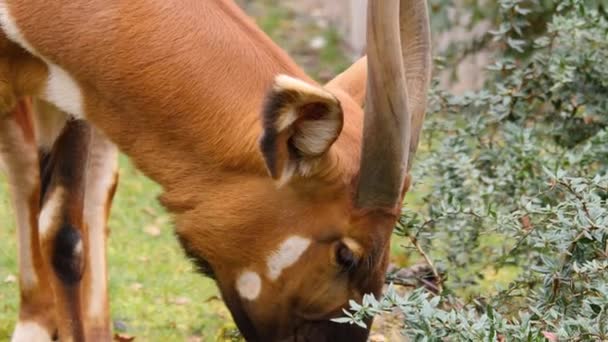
<point x="525" y="222"/>
<point x="123" y="338"/>
<point x="590" y="119"/>
<point x="10" y="279"/>
<point x="149" y="211"/>
<point x="180" y="301"/>
<point x="160" y="220"/>
<point x="136" y="286"/>
<point x="552" y="337"/>
<point x="152" y="230"/>
<point x="377" y="338"/>
<point x="143" y="258"/>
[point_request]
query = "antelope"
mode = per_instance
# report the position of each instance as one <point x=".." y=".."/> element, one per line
<point x="283" y="190"/>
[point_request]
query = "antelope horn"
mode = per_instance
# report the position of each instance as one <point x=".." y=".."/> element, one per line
<point x="398" y="80"/>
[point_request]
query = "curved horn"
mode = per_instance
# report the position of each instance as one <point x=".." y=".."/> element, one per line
<point x="395" y="105"/>
<point x="416" y="49"/>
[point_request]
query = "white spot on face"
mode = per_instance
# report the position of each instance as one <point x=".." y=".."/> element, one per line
<point x="30" y="332"/>
<point x="50" y="213"/>
<point x="61" y="89"/>
<point x="249" y="285"/>
<point x="288" y="254"/>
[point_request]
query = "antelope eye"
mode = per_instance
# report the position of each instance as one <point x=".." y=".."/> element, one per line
<point x="345" y="257"/>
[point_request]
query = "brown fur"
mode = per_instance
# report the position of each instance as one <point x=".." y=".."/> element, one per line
<point x="53" y="303"/>
<point x="179" y="86"/>
<point x="66" y="165"/>
<point x="17" y="149"/>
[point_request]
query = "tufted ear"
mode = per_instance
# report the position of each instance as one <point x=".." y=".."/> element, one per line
<point x="301" y="122"/>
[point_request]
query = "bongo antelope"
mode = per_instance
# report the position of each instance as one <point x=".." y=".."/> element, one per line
<point x="283" y="190"/>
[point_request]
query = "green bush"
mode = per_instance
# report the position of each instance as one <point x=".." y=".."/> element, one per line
<point x="514" y="179"/>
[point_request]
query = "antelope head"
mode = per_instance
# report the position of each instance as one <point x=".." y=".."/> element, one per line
<point x="294" y="245"/>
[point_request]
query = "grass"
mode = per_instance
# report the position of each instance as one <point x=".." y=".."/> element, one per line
<point x="155" y="294"/>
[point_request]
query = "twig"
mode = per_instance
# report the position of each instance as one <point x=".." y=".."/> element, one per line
<point x="413" y="276"/>
<point x="428" y="260"/>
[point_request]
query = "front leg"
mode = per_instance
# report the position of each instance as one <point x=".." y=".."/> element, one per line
<point x="62" y="230"/>
<point x="81" y="170"/>
<point x="101" y="182"/>
<point x="19" y="151"/>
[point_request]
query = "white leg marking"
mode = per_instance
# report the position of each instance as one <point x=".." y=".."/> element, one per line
<point x="20" y="161"/>
<point x="50" y="213"/>
<point x="30" y="332"/>
<point x="101" y="170"/>
<point x="249" y="285"/>
<point x="61" y="89"/>
<point x="288" y="254"/>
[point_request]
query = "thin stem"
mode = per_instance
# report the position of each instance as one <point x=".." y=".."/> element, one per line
<point x="428" y="260"/>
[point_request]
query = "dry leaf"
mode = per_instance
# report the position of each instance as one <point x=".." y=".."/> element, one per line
<point x="143" y="258"/>
<point x="180" y="301"/>
<point x="10" y="279"/>
<point x="552" y="337"/>
<point x="123" y="337"/>
<point x="525" y="222"/>
<point x="149" y="211"/>
<point x="152" y="230"/>
<point x="136" y="286"/>
<point x="377" y="338"/>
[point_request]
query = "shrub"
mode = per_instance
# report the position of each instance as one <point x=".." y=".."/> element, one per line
<point x="514" y="180"/>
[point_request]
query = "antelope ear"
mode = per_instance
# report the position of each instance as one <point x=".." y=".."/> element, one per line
<point x="301" y="122"/>
<point x="352" y="81"/>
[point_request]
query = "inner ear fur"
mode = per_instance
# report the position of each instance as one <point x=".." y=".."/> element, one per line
<point x="300" y="123"/>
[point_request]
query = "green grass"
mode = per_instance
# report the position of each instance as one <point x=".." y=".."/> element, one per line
<point x="155" y="294"/>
